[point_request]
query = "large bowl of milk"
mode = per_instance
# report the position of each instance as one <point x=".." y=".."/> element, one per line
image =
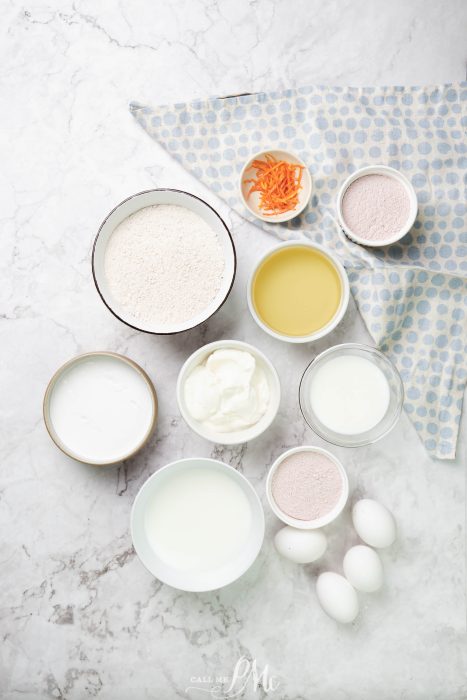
<point x="197" y="524"/>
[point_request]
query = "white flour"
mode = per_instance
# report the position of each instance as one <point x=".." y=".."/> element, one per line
<point x="164" y="265"/>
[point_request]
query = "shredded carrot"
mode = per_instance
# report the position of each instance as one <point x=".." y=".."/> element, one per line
<point x="278" y="184"/>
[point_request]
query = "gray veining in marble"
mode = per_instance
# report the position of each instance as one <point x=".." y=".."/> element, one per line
<point x="79" y="615"/>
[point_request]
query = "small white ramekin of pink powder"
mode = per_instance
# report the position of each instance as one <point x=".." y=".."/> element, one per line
<point x="377" y="208"/>
<point x="308" y="485"/>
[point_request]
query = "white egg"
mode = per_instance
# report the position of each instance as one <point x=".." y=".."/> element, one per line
<point x="373" y="522"/>
<point x="363" y="568"/>
<point x="337" y="597"/>
<point x="300" y="546"/>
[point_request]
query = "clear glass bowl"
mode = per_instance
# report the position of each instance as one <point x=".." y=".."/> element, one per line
<point x="392" y="414"/>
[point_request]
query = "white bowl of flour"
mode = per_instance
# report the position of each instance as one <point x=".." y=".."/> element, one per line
<point x="163" y="261"/>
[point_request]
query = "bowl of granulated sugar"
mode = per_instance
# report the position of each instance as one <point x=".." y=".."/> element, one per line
<point x="376" y="206"/>
<point x="163" y="261"/>
<point x="307" y="487"/>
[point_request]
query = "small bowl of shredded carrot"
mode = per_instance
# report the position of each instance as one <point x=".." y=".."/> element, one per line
<point x="275" y="186"/>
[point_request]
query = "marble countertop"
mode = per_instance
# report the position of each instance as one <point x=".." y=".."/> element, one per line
<point x="79" y="615"/>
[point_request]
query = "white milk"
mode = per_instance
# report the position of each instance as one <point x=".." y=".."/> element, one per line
<point x="198" y="520"/>
<point x="349" y="394"/>
<point x="101" y="408"/>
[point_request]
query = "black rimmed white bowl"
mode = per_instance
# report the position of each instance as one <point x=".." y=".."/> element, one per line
<point x="150" y="198"/>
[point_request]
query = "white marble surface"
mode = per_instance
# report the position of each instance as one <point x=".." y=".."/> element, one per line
<point x="79" y="615"/>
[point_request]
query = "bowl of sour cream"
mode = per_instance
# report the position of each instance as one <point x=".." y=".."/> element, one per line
<point x="228" y="392"/>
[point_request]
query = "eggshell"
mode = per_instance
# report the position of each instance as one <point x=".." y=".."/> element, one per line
<point x="337" y="597"/>
<point x="300" y="546"/>
<point x="363" y="568"/>
<point x="373" y="522"/>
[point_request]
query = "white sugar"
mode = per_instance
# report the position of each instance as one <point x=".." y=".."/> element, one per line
<point x="164" y="265"/>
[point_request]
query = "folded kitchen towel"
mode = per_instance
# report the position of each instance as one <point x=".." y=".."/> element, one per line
<point x="413" y="294"/>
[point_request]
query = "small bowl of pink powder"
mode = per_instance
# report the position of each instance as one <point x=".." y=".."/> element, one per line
<point x="307" y="487"/>
<point x="376" y="206"/>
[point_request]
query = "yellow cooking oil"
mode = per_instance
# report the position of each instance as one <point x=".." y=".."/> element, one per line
<point x="296" y="290"/>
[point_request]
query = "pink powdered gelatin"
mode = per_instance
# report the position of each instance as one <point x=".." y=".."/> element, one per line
<point x="376" y="207"/>
<point x="307" y="485"/>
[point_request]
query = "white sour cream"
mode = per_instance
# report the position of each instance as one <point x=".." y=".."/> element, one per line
<point x="101" y="408"/>
<point x="228" y="392"/>
<point x="349" y="394"/>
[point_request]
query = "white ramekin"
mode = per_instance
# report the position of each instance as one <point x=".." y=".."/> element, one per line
<point x="389" y="172"/>
<point x="338" y="316"/>
<point x="239" y="436"/>
<point x="319" y="522"/>
<point x="252" y="203"/>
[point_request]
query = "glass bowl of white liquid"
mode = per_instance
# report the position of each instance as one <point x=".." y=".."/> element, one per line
<point x="351" y="395"/>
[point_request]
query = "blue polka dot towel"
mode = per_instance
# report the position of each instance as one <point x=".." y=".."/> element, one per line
<point x="412" y="295"/>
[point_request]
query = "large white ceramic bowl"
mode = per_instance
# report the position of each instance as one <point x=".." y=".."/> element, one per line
<point x="147" y="199"/>
<point x="187" y="580"/>
<point x="239" y="436"/>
